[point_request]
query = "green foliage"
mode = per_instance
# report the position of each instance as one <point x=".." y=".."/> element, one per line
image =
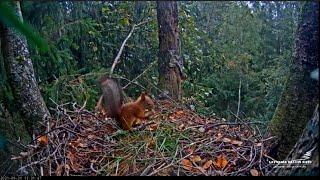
<point x="10" y="19"/>
<point x="85" y="37"/>
<point x="81" y="89"/>
<point x="221" y="43"/>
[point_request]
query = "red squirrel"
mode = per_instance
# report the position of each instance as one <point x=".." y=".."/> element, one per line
<point x="128" y="114"/>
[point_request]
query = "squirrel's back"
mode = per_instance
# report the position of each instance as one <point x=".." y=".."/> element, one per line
<point x="112" y="96"/>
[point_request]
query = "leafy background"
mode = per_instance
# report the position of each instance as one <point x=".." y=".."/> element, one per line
<point x="221" y="43"/>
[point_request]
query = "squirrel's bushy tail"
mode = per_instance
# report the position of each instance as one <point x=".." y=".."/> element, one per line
<point x="112" y="95"/>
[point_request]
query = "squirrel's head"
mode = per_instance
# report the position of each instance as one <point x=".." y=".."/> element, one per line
<point x="146" y="100"/>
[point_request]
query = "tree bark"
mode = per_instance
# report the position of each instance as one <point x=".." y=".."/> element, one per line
<point x="20" y="73"/>
<point x="301" y="93"/>
<point x="306" y="149"/>
<point x="169" y="61"/>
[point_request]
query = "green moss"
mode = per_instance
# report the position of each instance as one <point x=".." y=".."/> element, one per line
<point x="293" y="112"/>
<point x="301" y="94"/>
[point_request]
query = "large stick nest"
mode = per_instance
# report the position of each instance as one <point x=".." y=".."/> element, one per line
<point x="175" y="141"/>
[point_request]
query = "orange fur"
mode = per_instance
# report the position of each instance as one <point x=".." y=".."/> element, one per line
<point x="132" y="112"/>
<point x="129" y="114"/>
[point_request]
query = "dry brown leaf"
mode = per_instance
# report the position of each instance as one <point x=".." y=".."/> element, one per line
<point x="150" y="143"/>
<point x="179" y="113"/>
<point x="93" y="160"/>
<point x="181" y="127"/>
<point x="219" y="136"/>
<point x="226" y="140"/>
<point x="195" y="158"/>
<point x="89" y="130"/>
<point x="221" y="161"/>
<point x="43" y="140"/>
<point x="80" y="80"/>
<point x="254" y="172"/>
<point x="59" y="170"/>
<point x="232" y="141"/>
<point x="236" y="142"/>
<point x="16" y="157"/>
<point x="71" y="157"/>
<point x="78" y="143"/>
<point x="172" y="118"/>
<point x="190" y="150"/>
<point x="26" y="154"/>
<point x="202" y="130"/>
<point x="76" y="167"/>
<point x="83" y="145"/>
<point x="123" y="167"/>
<point x="186" y="164"/>
<point x="67" y="169"/>
<point x="207" y="165"/>
<point x="153" y="127"/>
<point x="91" y="136"/>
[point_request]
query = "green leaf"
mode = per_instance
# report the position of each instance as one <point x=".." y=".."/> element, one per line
<point x="124" y="21"/>
<point x="105" y="10"/>
<point x="8" y="17"/>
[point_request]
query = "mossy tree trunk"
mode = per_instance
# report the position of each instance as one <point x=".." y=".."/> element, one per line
<point x="300" y="95"/>
<point x="169" y="60"/>
<point x="20" y="73"/>
<point x="306" y="149"/>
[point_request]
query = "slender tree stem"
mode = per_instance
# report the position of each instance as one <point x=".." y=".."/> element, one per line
<point x="239" y="98"/>
<point x="116" y="60"/>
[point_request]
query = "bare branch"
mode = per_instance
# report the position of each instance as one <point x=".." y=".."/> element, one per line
<point x="116" y="60"/>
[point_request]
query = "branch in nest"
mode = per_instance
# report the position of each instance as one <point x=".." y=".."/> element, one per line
<point x="233" y="123"/>
<point x="143" y="126"/>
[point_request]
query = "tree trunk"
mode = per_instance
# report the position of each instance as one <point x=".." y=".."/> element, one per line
<point x="300" y="95"/>
<point x="21" y="76"/>
<point x="169" y="62"/>
<point x="306" y="149"/>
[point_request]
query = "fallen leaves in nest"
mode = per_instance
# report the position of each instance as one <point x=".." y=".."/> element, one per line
<point x="179" y="142"/>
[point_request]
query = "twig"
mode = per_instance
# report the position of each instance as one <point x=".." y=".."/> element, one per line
<point x="260" y="158"/>
<point x="239" y="98"/>
<point x="92" y="148"/>
<point x="31" y="164"/>
<point x="143" y="126"/>
<point x="149" y="67"/>
<point x="160" y="169"/>
<point x="146" y="170"/>
<point x="119" y="77"/>
<point x="91" y="166"/>
<point x="84" y="105"/>
<point x="269" y="138"/>
<point x="232" y="123"/>
<point x="116" y="60"/>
